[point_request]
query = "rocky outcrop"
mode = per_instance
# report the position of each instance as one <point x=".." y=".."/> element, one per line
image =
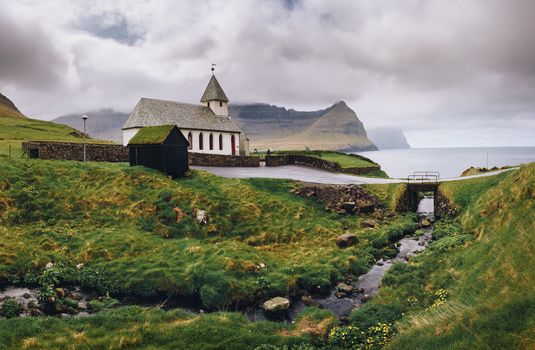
<point x="444" y="207"/>
<point x="4" y="101"/>
<point x="343" y="199"/>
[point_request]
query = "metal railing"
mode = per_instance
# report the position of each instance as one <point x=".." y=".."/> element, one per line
<point x="424" y="177"/>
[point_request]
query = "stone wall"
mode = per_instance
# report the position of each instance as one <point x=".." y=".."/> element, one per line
<point x="75" y="151"/>
<point x="361" y="170"/>
<point x="219" y="160"/>
<point x="444" y="207"/>
<point x="300" y="159"/>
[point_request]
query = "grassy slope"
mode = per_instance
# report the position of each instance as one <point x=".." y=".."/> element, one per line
<point x="482" y="262"/>
<point x="112" y="217"/>
<point x="119" y="221"/>
<point x="15" y="128"/>
<point x="344" y="159"/>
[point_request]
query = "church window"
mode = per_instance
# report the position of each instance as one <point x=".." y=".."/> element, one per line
<point x="220" y="104"/>
<point x="201" y="146"/>
<point x="190" y="141"/>
<point x="211" y="141"/>
<point x="220" y="142"/>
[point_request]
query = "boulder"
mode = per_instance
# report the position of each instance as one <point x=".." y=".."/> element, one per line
<point x="277" y="304"/>
<point x="348" y="206"/>
<point x="37" y="312"/>
<point x="365" y="298"/>
<point x="344" y="288"/>
<point x="202" y="216"/>
<point x="369" y="223"/>
<point x="364" y="206"/>
<point x="309" y="301"/>
<point x="425" y="223"/>
<point x="346" y="240"/>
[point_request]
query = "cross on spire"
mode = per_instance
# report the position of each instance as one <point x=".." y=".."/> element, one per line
<point x="213" y="68"/>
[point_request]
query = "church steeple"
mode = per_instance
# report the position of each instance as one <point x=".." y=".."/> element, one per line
<point x="214" y="97"/>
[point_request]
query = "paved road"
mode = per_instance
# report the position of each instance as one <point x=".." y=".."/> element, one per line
<point x="302" y="173"/>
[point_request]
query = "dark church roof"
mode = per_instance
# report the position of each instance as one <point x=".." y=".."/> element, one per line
<point x="152" y="112"/>
<point x="214" y="91"/>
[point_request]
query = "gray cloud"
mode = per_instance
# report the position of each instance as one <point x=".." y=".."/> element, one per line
<point x="431" y="66"/>
<point x="28" y="57"/>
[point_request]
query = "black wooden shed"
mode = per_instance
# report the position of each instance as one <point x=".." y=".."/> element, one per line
<point x="160" y="147"/>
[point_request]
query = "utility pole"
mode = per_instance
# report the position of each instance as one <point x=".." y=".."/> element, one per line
<point x="84" y="118"/>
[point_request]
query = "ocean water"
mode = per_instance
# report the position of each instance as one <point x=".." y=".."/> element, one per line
<point x="450" y="162"/>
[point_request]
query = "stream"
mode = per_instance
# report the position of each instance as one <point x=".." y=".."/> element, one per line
<point x="365" y="287"/>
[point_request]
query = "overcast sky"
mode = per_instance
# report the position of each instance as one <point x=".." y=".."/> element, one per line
<point x="448" y="73"/>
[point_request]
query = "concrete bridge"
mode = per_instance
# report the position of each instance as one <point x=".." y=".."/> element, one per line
<point x="421" y="181"/>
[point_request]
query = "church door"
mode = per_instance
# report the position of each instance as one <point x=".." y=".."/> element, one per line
<point x="233" y="145"/>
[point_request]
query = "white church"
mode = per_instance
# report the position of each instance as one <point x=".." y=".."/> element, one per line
<point x="207" y="127"/>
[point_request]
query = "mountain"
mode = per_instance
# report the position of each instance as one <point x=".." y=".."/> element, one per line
<point x="273" y="127"/>
<point x="8" y="108"/>
<point x="103" y="124"/>
<point x="267" y="126"/>
<point x="388" y="138"/>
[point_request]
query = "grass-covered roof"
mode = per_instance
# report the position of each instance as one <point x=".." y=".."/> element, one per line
<point x="151" y="135"/>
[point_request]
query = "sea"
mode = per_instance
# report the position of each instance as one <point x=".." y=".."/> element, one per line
<point x="449" y="162"/>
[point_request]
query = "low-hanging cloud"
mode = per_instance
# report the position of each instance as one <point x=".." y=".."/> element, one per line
<point x="444" y="68"/>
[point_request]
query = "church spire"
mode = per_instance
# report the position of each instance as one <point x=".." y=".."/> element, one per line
<point x="214" y="97"/>
<point x="214" y="91"/>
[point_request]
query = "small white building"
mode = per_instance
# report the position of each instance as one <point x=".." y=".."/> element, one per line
<point x="207" y="127"/>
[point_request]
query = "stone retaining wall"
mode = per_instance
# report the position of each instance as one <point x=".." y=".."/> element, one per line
<point x="300" y="159"/>
<point x="95" y="152"/>
<point x="444" y="206"/>
<point x="220" y="160"/>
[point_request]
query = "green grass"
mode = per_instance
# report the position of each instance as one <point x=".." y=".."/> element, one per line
<point x="344" y="159"/>
<point x="473" y="287"/>
<point x="15" y="128"/>
<point x="121" y="223"/>
<point x="153" y="135"/>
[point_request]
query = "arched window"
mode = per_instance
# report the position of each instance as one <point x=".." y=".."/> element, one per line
<point x="201" y="145"/>
<point x="208" y="103"/>
<point x="211" y="141"/>
<point x="190" y="140"/>
<point x="220" y="142"/>
<point x="233" y="145"/>
<point x="220" y="104"/>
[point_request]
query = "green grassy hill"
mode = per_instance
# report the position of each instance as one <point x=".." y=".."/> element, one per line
<point x="15" y="128"/>
<point x="136" y="234"/>
<point x="474" y="287"/>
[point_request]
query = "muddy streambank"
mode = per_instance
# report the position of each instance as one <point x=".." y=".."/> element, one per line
<point x="365" y="287"/>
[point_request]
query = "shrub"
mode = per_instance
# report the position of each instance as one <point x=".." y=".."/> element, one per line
<point x="11" y="308"/>
<point x="351" y="337"/>
<point x="317" y="281"/>
<point x="103" y="304"/>
<point x="371" y="313"/>
<point x="447" y="243"/>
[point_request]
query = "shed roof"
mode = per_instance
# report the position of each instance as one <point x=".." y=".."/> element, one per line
<point x="153" y="112"/>
<point x="151" y="135"/>
<point x="214" y="91"/>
